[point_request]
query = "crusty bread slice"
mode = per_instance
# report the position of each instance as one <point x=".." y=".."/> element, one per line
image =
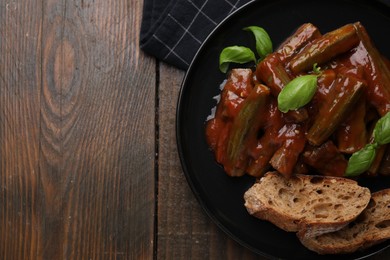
<point x="317" y="204"/>
<point x="370" y="228"/>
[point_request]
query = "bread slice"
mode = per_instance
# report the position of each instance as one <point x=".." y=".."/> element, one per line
<point x="317" y="204"/>
<point x="370" y="228"/>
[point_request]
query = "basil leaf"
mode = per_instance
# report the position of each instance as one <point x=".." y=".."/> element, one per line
<point x="361" y="160"/>
<point x="263" y="41"/>
<point x="297" y="93"/>
<point x="236" y="54"/>
<point x="382" y="130"/>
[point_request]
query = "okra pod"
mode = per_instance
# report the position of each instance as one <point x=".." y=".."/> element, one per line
<point x="244" y="130"/>
<point x="325" y="48"/>
<point x="378" y="91"/>
<point x="326" y="159"/>
<point x="304" y="34"/>
<point x="238" y="85"/>
<point x="286" y="157"/>
<point x="267" y="146"/>
<point x="342" y="97"/>
<point x="267" y="143"/>
<point x="271" y="71"/>
<point x="352" y="134"/>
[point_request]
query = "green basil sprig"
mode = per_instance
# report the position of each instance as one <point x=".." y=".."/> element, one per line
<point x="241" y="54"/>
<point x="297" y="93"/>
<point x="236" y="54"/>
<point x="382" y="130"/>
<point x="316" y="69"/>
<point x="361" y="160"/>
<point x="263" y="41"/>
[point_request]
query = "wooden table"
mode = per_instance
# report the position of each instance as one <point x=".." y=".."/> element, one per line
<point x="88" y="158"/>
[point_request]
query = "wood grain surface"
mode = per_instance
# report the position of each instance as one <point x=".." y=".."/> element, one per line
<point x="89" y="167"/>
<point x="77" y="132"/>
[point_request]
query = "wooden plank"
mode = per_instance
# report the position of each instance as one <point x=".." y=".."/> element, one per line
<point x="20" y="59"/>
<point x="92" y="100"/>
<point x="97" y="142"/>
<point x="184" y="230"/>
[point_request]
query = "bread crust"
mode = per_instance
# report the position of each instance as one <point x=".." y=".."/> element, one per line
<point x="306" y="202"/>
<point x="370" y="228"/>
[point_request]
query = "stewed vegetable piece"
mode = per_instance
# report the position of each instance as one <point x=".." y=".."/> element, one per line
<point x="309" y="106"/>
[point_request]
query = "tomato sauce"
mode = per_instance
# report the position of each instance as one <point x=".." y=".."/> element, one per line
<point x="353" y="92"/>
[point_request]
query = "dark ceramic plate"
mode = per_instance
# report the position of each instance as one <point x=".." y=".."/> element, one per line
<point x="222" y="196"/>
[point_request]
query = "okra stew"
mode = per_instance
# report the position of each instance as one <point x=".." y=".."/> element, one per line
<point x="318" y="104"/>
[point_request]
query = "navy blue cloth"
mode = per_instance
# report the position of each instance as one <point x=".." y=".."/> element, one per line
<point x="173" y="30"/>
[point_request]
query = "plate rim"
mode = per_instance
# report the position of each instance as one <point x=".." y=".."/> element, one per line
<point x="178" y="135"/>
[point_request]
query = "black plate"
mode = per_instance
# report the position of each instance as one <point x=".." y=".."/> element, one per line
<point x="222" y="196"/>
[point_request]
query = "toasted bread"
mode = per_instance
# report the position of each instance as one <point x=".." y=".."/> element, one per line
<point x="317" y="204"/>
<point x="370" y="228"/>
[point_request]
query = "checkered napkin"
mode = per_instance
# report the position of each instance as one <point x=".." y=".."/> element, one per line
<point x="173" y="30"/>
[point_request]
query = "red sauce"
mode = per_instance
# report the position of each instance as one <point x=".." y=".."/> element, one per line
<point x="353" y="91"/>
